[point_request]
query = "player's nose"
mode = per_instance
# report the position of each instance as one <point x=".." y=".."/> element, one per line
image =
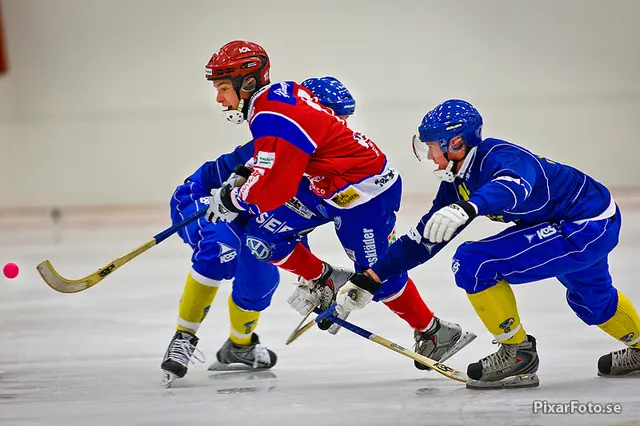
<point x="219" y="97"/>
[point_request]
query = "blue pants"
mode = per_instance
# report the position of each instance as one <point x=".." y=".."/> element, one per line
<point x="365" y="231"/>
<point x="575" y="254"/>
<point x="219" y="252"/>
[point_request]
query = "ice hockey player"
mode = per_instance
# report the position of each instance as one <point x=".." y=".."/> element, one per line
<point x="221" y="252"/>
<point x="296" y="137"/>
<point x="566" y="224"/>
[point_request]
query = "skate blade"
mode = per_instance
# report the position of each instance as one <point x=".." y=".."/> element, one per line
<point x="629" y="374"/>
<point x="520" y="381"/>
<point x="463" y="341"/>
<point x="168" y="379"/>
<point x="236" y="366"/>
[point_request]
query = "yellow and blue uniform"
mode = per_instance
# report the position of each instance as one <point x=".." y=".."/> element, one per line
<point x="219" y="254"/>
<point x="565" y="225"/>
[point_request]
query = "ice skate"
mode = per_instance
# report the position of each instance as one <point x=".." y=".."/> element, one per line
<point x="178" y="356"/>
<point x="441" y="341"/>
<point x="619" y="363"/>
<point x="234" y="357"/>
<point x="513" y="365"/>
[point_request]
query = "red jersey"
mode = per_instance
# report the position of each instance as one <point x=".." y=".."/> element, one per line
<point x="295" y="136"/>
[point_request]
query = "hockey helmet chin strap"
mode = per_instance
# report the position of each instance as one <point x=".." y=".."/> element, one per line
<point x="446" y="175"/>
<point x="237" y="116"/>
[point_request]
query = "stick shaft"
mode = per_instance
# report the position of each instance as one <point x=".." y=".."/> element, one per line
<point x="435" y="365"/>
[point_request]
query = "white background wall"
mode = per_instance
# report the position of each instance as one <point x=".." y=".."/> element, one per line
<point x="106" y="101"/>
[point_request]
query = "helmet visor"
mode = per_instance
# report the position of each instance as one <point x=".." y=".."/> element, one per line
<point x="427" y="150"/>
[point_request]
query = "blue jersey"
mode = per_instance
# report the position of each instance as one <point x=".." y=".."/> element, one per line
<point x="213" y="173"/>
<point x="507" y="183"/>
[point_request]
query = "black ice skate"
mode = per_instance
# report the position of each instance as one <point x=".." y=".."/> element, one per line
<point x="619" y="363"/>
<point x="178" y="356"/>
<point x="234" y="357"/>
<point x="513" y="365"/>
<point x="441" y="341"/>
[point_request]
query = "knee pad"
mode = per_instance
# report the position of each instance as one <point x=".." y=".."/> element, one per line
<point x="594" y="307"/>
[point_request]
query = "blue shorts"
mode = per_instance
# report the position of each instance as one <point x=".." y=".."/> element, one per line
<point x="574" y="253"/>
<point x="219" y="251"/>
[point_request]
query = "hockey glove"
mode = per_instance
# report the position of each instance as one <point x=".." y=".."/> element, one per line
<point x="239" y="176"/>
<point x="320" y="293"/>
<point x="356" y="294"/>
<point x="221" y="207"/>
<point x="444" y="223"/>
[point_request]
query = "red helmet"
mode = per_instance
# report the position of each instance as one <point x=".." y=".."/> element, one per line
<point x="238" y="59"/>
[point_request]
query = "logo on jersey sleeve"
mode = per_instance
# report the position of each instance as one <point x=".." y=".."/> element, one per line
<point x="265" y="159"/>
<point x="414" y="235"/>
<point x="282" y="92"/>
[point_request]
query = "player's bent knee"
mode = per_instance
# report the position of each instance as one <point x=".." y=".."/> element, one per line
<point x="216" y="258"/>
<point x="252" y="302"/>
<point x="214" y="270"/>
<point x="594" y="307"/>
<point x="465" y="264"/>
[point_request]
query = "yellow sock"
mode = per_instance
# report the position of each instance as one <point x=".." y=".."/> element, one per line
<point x="496" y="307"/>
<point x="242" y="323"/>
<point x="197" y="297"/>
<point x="624" y="325"/>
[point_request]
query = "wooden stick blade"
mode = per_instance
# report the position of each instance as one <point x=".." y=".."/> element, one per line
<point x="63" y="285"/>
<point x="297" y="333"/>
<point x="300" y="329"/>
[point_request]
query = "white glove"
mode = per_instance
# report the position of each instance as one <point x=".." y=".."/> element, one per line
<point x="446" y="221"/>
<point x="356" y="294"/>
<point x="320" y="293"/>
<point x="220" y="205"/>
<point x="351" y="298"/>
<point x="304" y="299"/>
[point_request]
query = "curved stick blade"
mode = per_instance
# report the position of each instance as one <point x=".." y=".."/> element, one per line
<point x="63" y="285"/>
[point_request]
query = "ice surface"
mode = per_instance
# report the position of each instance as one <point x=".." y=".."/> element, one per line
<point x="93" y="358"/>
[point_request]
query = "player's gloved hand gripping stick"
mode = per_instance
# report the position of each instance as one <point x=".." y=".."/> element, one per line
<point x="64" y="285"/>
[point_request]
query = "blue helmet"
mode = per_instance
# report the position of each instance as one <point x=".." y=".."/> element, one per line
<point x="332" y="94"/>
<point x="450" y="119"/>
